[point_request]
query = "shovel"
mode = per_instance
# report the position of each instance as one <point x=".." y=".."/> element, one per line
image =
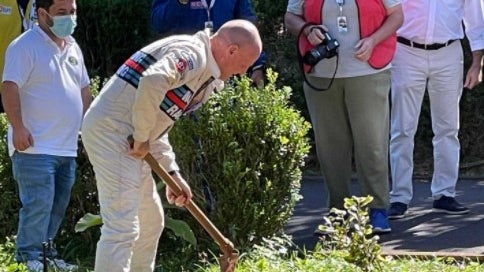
<point x="230" y="255"/>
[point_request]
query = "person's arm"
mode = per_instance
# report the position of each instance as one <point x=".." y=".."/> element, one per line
<point x="257" y="70"/>
<point x="162" y="150"/>
<point x="18" y="66"/>
<point x="474" y="26"/>
<point x="86" y="98"/>
<point x="294" y="23"/>
<point x="86" y="94"/>
<point x="394" y="20"/>
<point x="11" y="103"/>
<point x="244" y="10"/>
<point x="474" y="74"/>
<point x="22" y="139"/>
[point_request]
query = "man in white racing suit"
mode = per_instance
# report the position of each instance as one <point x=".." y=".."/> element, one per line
<point x="148" y="93"/>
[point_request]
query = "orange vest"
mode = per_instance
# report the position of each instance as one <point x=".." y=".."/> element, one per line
<point x="371" y="14"/>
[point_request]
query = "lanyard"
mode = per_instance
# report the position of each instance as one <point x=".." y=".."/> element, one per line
<point x="340" y="4"/>
<point x="208" y="8"/>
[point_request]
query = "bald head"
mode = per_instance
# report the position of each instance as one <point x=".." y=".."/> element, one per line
<point x="241" y="32"/>
<point x="235" y="47"/>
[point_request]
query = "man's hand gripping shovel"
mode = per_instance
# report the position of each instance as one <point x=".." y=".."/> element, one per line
<point x="230" y="255"/>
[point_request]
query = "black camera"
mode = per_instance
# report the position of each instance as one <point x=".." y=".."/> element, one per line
<point x="325" y="50"/>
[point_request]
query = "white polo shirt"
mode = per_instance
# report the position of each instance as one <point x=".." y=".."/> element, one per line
<point x="50" y="83"/>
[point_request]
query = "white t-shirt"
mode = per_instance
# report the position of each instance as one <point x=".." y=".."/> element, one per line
<point x="50" y="83"/>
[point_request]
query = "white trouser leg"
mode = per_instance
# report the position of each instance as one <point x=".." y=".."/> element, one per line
<point x="409" y="77"/>
<point x="151" y="220"/>
<point x="119" y="183"/>
<point x="445" y="88"/>
<point x="440" y="71"/>
<point x="118" y="179"/>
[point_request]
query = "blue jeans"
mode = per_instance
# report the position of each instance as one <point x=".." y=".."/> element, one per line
<point x="45" y="184"/>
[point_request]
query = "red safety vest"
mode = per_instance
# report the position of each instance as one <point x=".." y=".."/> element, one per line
<point x="371" y="14"/>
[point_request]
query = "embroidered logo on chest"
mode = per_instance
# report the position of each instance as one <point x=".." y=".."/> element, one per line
<point x="5" y="10"/>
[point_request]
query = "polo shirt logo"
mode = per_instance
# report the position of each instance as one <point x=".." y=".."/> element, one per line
<point x="5" y="10"/>
<point x="72" y="60"/>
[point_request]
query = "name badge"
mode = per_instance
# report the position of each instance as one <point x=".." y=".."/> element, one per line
<point x="342" y="24"/>
<point x="209" y="26"/>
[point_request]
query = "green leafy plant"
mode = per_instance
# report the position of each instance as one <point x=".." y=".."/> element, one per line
<point x="350" y="232"/>
<point x="179" y="228"/>
<point x="7" y="260"/>
<point x="251" y="145"/>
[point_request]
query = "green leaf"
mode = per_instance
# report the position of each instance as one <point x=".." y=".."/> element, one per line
<point x="181" y="229"/>
<point x="87" y="221"/>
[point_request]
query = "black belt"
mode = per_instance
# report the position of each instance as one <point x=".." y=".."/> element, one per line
<point x="433" y="46"/>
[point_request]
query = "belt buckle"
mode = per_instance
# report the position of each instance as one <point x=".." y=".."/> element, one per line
<point x="425" y="46"/>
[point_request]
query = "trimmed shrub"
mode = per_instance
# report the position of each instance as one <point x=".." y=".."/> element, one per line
<point x="250" y="147"/>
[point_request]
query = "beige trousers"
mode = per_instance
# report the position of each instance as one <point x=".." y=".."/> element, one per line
<point x="440" y="73"/>
<point x="130" y="205"/>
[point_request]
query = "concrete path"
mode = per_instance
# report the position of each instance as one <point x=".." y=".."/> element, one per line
<point x="420" y="232"/>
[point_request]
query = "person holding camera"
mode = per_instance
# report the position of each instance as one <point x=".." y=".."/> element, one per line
<point x="429" y="57"/>
<point x="351" y="116"/>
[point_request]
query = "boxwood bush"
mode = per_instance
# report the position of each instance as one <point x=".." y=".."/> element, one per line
<point x="250" y="145"/>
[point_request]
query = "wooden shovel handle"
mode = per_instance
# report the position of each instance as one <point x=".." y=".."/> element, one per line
<point x="225" y="244"/>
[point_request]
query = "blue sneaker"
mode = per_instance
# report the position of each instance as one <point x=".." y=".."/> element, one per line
<point x="379" y="221"/>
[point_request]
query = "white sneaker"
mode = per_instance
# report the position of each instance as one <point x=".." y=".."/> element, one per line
<point x="62" y="265"/>
<point x="34" y="266"/>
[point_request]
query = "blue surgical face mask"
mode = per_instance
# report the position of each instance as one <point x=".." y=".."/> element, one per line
<point x="63" y="25"/>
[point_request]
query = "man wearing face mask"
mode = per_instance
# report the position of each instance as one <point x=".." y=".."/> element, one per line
<point x="45" y="93"/>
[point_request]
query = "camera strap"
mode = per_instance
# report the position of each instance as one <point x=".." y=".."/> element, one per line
<point x="301" y="63"/>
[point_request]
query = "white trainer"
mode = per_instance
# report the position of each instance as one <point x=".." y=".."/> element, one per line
<point x="34" y="266"/>
<point x="62" y="265"/>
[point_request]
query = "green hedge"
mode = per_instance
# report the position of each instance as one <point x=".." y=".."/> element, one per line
<point x="251" y="147"/>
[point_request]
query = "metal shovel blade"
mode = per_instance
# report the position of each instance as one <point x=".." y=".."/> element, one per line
<point x="228" y="262"/>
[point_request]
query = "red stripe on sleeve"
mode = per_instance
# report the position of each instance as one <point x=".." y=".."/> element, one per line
<point x="175" y="99"/>
<point x="131" y="64"/>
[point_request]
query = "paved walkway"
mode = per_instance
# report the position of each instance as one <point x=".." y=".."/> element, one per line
<point x="420" y="232"/>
